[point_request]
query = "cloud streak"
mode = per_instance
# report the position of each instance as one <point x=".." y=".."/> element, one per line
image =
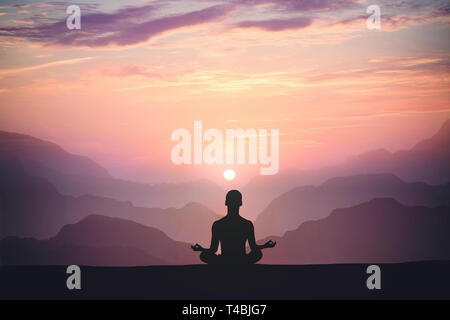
<point x="117" y="29"/>
<point x="7" y="72"/>
<point x="392" y="67"/>
<point x="301" y="5"/>
<point x="276" y="24"/>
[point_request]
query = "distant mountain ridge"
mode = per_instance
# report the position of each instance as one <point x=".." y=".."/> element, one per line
<point x="301" y="204"/>
<point x="77" y="175"/>
<point x="427" y="161"/>
<point x="101" y="231"/>
<point x="47" y="154"/>
<point x="378" y="231"/>
<point x="31" y="207"/>
<point x="99" y="241"/>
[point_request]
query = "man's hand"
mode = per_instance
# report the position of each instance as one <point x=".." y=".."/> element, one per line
<point x="197" y="247"/>
<point x="269" y="244"/>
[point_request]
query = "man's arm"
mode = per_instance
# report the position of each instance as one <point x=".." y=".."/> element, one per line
<point x="214" y="242"/>
<point x="252" y="242"/>
<point x="214" y="239"/>
<point x="251" y="238"/>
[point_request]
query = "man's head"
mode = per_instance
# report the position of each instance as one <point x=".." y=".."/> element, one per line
<point x="233" y="199"/>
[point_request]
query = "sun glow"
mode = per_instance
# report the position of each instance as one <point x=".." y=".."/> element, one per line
<point x="229" y="174"/>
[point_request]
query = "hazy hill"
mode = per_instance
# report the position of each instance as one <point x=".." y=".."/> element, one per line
<point x="101" y="231"/>
<point x="300" y="204"/>
<point x="32" y="207"/>
<point x="99" y="240"/>
<point x="76" y="175"/>
<point x="377" y="231"/>
<point x="42" y="153"/>
<point x="427" y="161"/>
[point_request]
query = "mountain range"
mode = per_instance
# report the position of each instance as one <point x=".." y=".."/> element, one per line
<point x="76" y="176"/>
<point x="98" y="241"/>
<point x="58" y="208"/>
<point x="377" y="231"/>
<point x="427" y="161"/>
<point x="301" y="204"/>
<point x="30" y="206"/>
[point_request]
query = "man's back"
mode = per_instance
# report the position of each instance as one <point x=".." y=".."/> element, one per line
<point x="232" y="232"/>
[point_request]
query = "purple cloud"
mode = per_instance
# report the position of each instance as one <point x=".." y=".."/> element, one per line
<point x="302" y="5"/>
<point x="134" y="25"/>
<point x="276" y="24"/>
<point x="127" y="26"/>
<point x="395" y="21"/>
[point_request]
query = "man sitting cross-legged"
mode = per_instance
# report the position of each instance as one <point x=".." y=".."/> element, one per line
<point x="233" y="232"/>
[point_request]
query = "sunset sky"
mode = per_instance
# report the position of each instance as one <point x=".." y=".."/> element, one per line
<point x="116" y="89"/>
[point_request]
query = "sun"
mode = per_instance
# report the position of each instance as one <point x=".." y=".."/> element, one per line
<point x="229" y="174"/>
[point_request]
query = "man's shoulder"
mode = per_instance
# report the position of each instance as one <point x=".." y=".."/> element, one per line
<point x="219" y="222"/>
<point x="247" y="222"/>
<point x="226" y="220"/>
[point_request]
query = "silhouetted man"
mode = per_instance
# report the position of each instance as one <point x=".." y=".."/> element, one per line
<point x="232" y="231"/>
